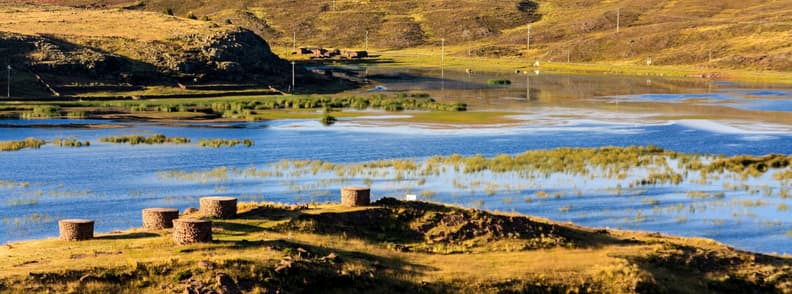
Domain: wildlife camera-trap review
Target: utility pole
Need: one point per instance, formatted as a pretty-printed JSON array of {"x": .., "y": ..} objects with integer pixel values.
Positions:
[
  {"x": 294, "y": 42},
  {"x": 528, "y": 40},
  {"x": 618, "y": 19},
  {"x": 366, "y": 41},
  {"x": 9, "y": 81},
  {"x": 710, "y": 56},
  {"x": 442, "y": 51},
  {"x": 442, "y": 67},
  {"x": 292, "y": 85},
  {"x": 569, "y": 56},
  {"x": 527, "y": 87}
]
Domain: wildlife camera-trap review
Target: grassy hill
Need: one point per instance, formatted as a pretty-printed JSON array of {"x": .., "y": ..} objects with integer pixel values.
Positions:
[
  {"x": 391, "y": 247},
  {"x": 750, "y": 34},
  {"x": 70, "y": 50}
]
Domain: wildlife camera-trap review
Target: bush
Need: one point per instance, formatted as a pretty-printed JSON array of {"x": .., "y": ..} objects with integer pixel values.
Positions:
[
  {"x": 327, "y": 119},
  {"x": 168, "y": 11},
  {"x": 498, "y": 82}
]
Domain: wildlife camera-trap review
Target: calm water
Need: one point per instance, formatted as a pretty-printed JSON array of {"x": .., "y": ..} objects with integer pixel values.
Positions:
[{"x": 112, "y": 183}]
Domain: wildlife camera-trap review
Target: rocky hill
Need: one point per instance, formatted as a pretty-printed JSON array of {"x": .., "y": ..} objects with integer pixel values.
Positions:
[{"x": 72, "y": 46}]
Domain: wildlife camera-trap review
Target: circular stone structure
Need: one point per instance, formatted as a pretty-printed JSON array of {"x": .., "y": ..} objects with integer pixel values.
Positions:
[
  {"x": 355, "y": 196},
  {"x": 76, "y": 229},
  {"x": 159, "y": 218},
  {"x": 190, "y": 230},
  {"x": 219, "y": 207}
]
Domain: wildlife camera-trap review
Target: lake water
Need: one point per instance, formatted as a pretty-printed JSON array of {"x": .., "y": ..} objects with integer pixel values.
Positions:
[{"x": 111, "y": 183}]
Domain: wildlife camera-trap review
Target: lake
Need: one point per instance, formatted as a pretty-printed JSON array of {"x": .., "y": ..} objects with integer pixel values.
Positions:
[{"x": 111, "y": 183}]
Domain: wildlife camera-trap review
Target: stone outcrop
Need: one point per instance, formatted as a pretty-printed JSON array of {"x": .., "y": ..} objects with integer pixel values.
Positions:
[{"x": 227, "y": 55}]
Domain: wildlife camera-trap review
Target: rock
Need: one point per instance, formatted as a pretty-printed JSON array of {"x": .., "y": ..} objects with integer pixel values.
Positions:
[
  {"x": 226, "y": 284},
  {"x": 190, "y": 211},
  {"x": 332, "y": 257},
  {"x": 89, "y": 278},
  {"x": 206, "y": 264},
  {"x": 302, "y": 253},
  {"x": 191, "y": 290}
]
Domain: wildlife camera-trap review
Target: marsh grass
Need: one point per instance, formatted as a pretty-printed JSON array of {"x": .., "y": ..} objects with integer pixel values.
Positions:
[
  {"x": 149, "y": 140},
  {"x": 218, "y": 143},
  {"x": 31, "y": 143},
  {"x": 70, "y": 142},
  {"x": 541, "y": 177}
]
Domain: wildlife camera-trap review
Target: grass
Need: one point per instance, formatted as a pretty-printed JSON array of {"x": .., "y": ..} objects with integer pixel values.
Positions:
[
  {"x": 294, "y": 248},
  {"x": 731, "y": 34},
  {"x": 235, "y": 108},
  {"x": 421, "y": 59},
  {"x": 149, "y": 140},
  {"x": 70, "y": 142},
  {"x": 217, "y": 143},
  {"x": 31, "y": 143}
]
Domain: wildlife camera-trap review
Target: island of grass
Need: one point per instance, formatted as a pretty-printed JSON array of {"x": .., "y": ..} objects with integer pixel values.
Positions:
[
  {"x": 391, "y": 246},
  {"x": 217, "y": 143},
  {"x": 228, "y": 108},
  {"x": 149, "y": 140},
  {"x": 32, "y": 143},
  {"x": 70, "y": 142}
]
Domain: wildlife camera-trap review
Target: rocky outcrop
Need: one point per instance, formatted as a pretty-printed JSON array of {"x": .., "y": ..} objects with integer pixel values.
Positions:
[
  {"x": 47, "y": 54},
  {"x": 228, "y": 55}
]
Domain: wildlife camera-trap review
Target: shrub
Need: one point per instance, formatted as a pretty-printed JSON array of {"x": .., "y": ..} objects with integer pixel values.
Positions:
[
  {"x": 327, "y": 119},
  {"x": 498, "y": 82}
]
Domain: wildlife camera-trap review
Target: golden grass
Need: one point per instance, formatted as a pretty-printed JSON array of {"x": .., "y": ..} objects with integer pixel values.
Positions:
[
  {"x": 88, "y": 23},
  {"x": 609, "y": 266},
  {"x": 430, "y": 58}
]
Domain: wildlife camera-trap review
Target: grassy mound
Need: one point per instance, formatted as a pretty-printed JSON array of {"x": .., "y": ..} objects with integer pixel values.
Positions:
[{"x": 393, "y": 246}]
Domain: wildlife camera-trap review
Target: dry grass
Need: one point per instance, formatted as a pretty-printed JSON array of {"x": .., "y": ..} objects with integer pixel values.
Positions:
[
  {"x": 251, "y": 246},
  {"x": 740, "y": 34},
  {"x": 74, "y": 23}
]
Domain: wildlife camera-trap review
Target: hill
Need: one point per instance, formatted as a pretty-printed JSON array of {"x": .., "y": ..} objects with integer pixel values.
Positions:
[
  {"x": 390, "y": 247},
  {"x": 750, "y": 34},
  {"x": 69, "y": 49}
]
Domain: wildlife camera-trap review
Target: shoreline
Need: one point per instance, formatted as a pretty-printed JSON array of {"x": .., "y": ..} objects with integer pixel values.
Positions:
[{"x": 407, "y": 59}]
